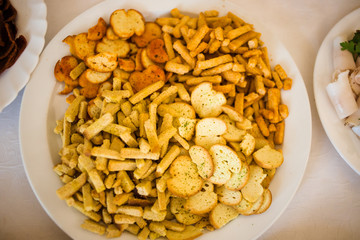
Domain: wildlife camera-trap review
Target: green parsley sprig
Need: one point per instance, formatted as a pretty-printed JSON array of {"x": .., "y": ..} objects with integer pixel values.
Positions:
[{"x": 353, "y": 45}]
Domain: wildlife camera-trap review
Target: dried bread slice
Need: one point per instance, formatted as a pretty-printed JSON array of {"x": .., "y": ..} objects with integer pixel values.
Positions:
[
  {"x": 125, "y": 24},
  {"x": 185, "y": 180},
  {"x": 206, "y": 101},
  {"x": 182, "y": 215},
  {"x": 96, "y": 77},
  {"x": 210, "y": 127},
  {"x": 208, "y": 141},
  {"x": 204, "y": 201},
  {"x": 221, "y": 215},
  {"x": 189, "y": 233},
  {"x": 254, "y": 207},
  {"x": 102, "y": 62},
  {"x": 243, "y": 207},
  {"x": 185, "y": 126},
  {"x": 83, "y": 47},
  {"x": 226, "y": 161},
  {"x": 152, "y": 31},
  {"x": 247, "y": 145},
  {"x": 267, "y": 157},
  {"x": 232, "y": 134},
  {"x": 202, "y": 158},
  {"x": 239, "y": 180},
  {"x": 228, "y": 197},
  {"x": 177, "y": 109},
  {"x": 266, "y": 202},
  {"x": 253, "y": 189},
  {"x": 118, "y": 46}
]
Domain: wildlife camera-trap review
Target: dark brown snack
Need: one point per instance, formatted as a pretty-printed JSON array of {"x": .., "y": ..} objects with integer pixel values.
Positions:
[{"x": 10, "y": 47}]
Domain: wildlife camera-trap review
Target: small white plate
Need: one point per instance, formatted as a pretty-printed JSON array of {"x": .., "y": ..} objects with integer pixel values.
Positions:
[
  {"x": 42, "y": 106},
  {"x": 346, "y": 143},
  {"x": 31, "y": 22}
]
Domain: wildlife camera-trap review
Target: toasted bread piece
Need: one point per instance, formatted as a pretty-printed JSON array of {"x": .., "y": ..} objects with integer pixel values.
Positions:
[
  {"x": 210, "y": 127},
  {"x": 140, "y": 80},
  {"x": 152, "y": 31},
  {"x": 182, "y": 215},
  {"x": 185, "y": 180},
  {"x": 125, "y": 24},
  {"x": 102, "y": 62},
  {"x": 206, "y": 101},
  {"x": 266, "y": 202},
  {"x": 156, "y": 51},
  {"x": 185, "y": 126},
  {"x": 63, "y": 68},
  {"x": 239, "y": 180},
  {"x": 118, "y": 46},
  {"x": 152, "y": 74},
  {"x": 98, "y": 31},
  {"x": 202, "y": 202},
  {"x": 232, "y": 113},
  {"x": 253, "y": 188},
  {"x": 83, "y": 47},
  {"x": 202, "y": 158},
  {"x": 177, "y": 109},
  {"x": 153, "y": 216},
  {"x": 228, "y": 197},
  {"x": 145, "y": 60},
  {"x": 247, "y": 145},
  {"x": 270, "y": 175},
  {"x": 189, "y": 233},
  {"x": 226, "y": 161},
  {"x": 221, "y": 215},
  {"x": 232, "y": 134},
  {"x": 268, "y": 157},
  {"x": 254, "y": 207},
  {"x": 96, "y": 77},
  {"x": 243, "y": 207},
  {"x": 208, "y": 141}
]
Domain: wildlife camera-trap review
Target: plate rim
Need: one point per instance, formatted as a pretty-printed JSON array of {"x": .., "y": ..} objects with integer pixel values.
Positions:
[
  {"x": 29, "y": 58},
  {"x": 305, "y": 154},
  {"x": 319, "y": 92}
]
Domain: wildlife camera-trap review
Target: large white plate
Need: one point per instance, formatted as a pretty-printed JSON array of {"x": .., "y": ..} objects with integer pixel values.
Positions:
[
  {"x": 31, "y": 22},
  {"x": 344, "y": 140},
  {"x": 42, "y": 106}
]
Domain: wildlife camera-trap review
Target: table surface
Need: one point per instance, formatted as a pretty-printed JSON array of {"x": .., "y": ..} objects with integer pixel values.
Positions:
[{"x": 327, "y": 203}]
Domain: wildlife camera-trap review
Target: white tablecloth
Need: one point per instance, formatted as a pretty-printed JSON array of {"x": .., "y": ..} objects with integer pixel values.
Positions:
[{"x": 327, "y": 204}]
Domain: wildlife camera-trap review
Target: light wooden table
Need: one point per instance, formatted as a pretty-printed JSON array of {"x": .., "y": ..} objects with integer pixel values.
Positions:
[{"x": 327, "y": 204}]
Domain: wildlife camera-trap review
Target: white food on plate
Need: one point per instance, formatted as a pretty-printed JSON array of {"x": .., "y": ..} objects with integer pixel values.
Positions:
[
  {"x": 341, "y": 95},
  {"x": 342, "y": 60},
  {"x": 356, "y": 130},
  {"x": 344, "y": 90}
]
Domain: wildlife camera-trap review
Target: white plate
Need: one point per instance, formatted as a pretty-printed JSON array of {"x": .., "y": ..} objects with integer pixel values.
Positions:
[
  {"x": 31, "y": 22},
  {"x": 42, "y": 106},
  {"x": 344, "y": 140}
]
